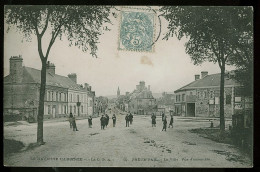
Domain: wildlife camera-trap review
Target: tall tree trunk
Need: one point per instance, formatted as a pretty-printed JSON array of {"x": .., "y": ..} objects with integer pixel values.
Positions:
[
  {"x": 221, "y": 105},
  {"x": 41, "y": 104}
]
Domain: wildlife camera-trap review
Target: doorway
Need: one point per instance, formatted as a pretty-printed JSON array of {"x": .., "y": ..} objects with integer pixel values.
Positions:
[
  {"x": 53, "y": 111},
  {"x": 191, "y": 109}
]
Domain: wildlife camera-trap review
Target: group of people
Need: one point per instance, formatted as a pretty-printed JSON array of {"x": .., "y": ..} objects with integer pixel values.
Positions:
[
  {"x": 129, "y": 119},
  {"x": 104, "y": 120},
  {"x": 164, "y": 120}
]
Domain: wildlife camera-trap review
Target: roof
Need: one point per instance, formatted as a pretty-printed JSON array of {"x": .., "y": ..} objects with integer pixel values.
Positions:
[
  {"x": 31, "y": 75},
  {"x": 208, "y": 81}
]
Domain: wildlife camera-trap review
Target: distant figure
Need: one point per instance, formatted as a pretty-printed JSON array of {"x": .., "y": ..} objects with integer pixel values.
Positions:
[
  {"x": 162, "y": 116},
  {"x": 74, "y": 124},
  {"x": 171, "y": 122},
  {"x": 103, "y": 122},
  {"x": 107, "y": 119},
  {"x": 114, "y": 120},
  {"x": 70, "y": 120},
  {"x": 164, "y": 123},
  {"x": 90, "y": 121},
  {"x": 131, "y": 118},
  {"x": 153, "y": 120},
  {"x": 127, "y": 120}
]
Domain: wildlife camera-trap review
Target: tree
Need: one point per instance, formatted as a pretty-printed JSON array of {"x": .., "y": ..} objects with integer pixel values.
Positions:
[
  {"x": 214, "y": 34},
  {"x": 81, "y": 25}
]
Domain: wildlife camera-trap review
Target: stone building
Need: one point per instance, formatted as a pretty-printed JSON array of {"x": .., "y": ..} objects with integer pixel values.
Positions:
[
  {"x": 141, "y": 100},
  {"x": 62, "y": 95},
  {"x": 201, "y": 97}
]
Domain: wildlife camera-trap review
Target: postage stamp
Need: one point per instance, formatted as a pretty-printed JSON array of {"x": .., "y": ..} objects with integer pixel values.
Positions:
[{"x": 137, "y": 31}]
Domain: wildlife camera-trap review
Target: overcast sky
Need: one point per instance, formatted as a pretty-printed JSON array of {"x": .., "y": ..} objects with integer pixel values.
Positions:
[{"x": 166, "y": 69}]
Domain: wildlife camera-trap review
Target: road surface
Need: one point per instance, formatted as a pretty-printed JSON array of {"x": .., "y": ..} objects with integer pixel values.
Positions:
[{"x": 139, "y": 145}]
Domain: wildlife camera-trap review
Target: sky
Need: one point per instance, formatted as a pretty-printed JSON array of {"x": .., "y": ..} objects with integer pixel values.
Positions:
[{"x": 165, "y": 70}]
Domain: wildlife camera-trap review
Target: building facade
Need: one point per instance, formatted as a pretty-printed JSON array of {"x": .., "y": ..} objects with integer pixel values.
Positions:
[
  {"x": 62, "y": 95},
  {"x": 141, "y": 100},
  {"x": 201, "y": 97}
]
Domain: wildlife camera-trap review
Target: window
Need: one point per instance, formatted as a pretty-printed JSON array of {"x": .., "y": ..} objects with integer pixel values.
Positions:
[
  {"x": 49, "y": 109},
  {"x": 75, "y": 109},
  {"x": 211, "y": 94},
  {"x": 237, "y": 99},
  {"x": 183, "y": 97},
  {"x": 228, "y": 99},
  {"x": 60, "y": 97},
  {"x": 57, "y": 96},
  {"x": 70, "y": 97},
  {"x": 78, "y": 98},
  {"x": 216, "y": 100},
  {"x": 70, "y": 109},
  {"x": 205, "y": 94},
  {"x": 51, "y": 96},
  {"x": 81, "y": 109}
]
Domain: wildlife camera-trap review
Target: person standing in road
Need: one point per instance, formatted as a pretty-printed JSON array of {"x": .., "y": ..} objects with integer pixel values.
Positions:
[
  {"x": 171, "y": 122},
  {"x": 131, "y": 118},
  {"x": 74, "y": 124},
  {"x": 90, "y": 121},
  {"x": 127, "y": 120},
  {"x": 114, "y": 120},
  {"x": 162, "y": 116},
  {"x": 153, "y": 120},
  {"x": 107, "y": 120},
  {"x": 164, "y": 123},
  {"x": 103, "y": 122},
  {"x": 70, "y": 119}
]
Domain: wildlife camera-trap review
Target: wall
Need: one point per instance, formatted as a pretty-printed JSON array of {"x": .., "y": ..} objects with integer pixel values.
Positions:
[{"x": 20, "y": 97}]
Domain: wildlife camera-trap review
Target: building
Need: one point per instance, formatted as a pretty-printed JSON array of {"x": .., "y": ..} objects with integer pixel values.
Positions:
[
  {"x": 62, "y": 95},
  {"x": 141, "y": 100},
  {"x": 201, "y": 97},
  {"x": 166, "y": 102},
  {"x": 101, "y": 104}
]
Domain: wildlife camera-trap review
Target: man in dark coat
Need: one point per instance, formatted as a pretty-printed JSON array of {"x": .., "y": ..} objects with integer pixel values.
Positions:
[
  {"x": 74, "y": 124},
  {"x": 127, "y": 120},
  {"x": 70, "y": 120},
  {"x": 131, "y": 118},
  {"x": 107, "y": 119},
  {"x": 90, "y": 121},
  {"x": 153, "y": 120},
  {"x": 164, "y": 123},
  {"x": 162, "y": 116},
  {"x": 114, "y": 120},
  {"x": 103, "y": 122}
]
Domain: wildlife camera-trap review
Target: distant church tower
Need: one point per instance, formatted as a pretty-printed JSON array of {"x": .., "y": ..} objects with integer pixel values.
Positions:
[{"x": 118, "y": 92}]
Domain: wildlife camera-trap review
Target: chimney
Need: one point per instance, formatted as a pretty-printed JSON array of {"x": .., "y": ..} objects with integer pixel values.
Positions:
[
  {"x": 86, "y": 86},
  {"x": 73, "y": 77},
  {"x": 89, "y": 88},
  {"x": 16, "y": 68},
  {"x": 203, "y": 74},
  {"x": 50, "y": 68},
  {"x": 197, "y": 77}
]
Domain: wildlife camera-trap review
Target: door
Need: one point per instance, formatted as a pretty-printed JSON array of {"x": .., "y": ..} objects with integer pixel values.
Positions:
[
  {"x": 53, "y": 111},
  {"x": 191, "y": 109},
  {"x": 211, "y": 110}
]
